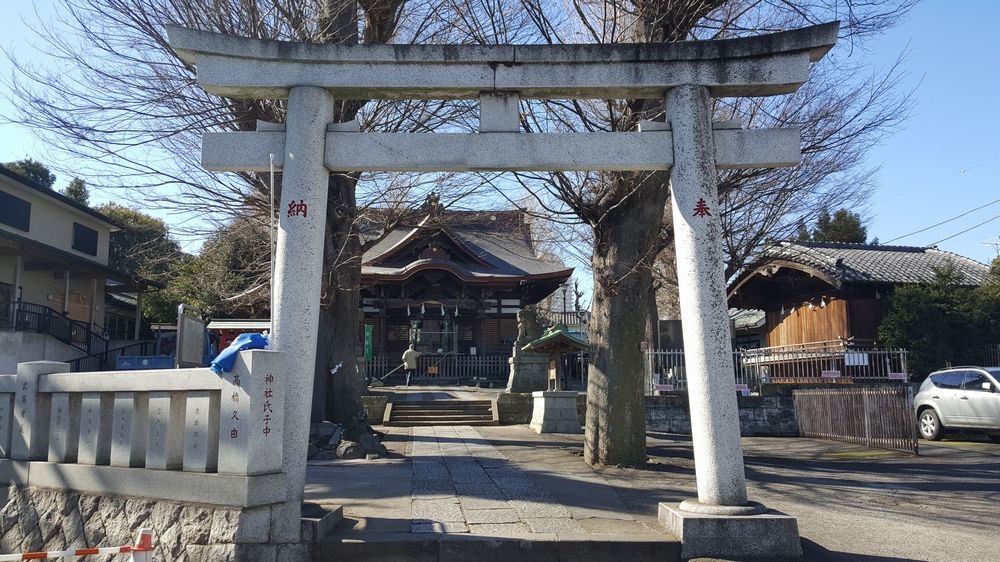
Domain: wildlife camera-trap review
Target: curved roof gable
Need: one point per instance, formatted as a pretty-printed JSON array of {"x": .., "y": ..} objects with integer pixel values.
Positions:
[
  {"x": 868, "y": 263},
  {"x": 489, "y": 246}
]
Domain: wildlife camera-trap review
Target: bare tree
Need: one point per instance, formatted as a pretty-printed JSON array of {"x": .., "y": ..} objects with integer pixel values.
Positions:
[
  {"x": 841, "y": 113},
  {"x": 622, "y": 213},
  {"x": 118, "y": 102}
]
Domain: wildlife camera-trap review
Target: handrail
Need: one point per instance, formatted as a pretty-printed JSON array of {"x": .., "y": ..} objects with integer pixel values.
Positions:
[
  {"x": 31, "y": 317},
  {"x": 105, "y": 360}
]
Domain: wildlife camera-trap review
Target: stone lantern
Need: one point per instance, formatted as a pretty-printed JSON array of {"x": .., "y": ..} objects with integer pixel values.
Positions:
[{"x": 555, "y": 409}]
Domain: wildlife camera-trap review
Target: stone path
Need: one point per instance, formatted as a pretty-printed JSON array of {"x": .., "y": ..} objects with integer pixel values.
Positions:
[
  {"x": 426, "y": 393},
  {"x": 463, "y": 484}
]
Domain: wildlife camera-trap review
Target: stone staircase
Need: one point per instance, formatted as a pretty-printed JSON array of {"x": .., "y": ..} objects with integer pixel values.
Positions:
[{"x": 411, "y": 413}]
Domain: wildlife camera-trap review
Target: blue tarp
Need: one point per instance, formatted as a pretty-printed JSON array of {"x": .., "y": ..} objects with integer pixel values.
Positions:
[{"x": 225, "y": 360}]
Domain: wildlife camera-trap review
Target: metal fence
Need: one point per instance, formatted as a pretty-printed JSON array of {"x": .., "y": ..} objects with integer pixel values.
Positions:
[
  {"x": 106, "y": 361},
  {"x": 446, "y": 368},
  {"x": 880, "y": 417},
  {"x": 987, "y": 355},
  {"x": 814, "y": 363},
  {"x": 30, "y": 317},
  {"x": 666, "y": 372}
]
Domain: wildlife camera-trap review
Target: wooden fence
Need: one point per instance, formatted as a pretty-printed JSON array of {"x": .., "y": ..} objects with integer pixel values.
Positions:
[{"x": 878, "y": 416}]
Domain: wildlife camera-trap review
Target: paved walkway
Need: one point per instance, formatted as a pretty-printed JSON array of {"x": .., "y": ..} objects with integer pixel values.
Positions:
[{"x": 464, "y": 483}]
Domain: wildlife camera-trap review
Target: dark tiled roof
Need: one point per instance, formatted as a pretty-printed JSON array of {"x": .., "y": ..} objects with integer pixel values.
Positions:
[
  {"x": 872, "y": 263},
  {"x": 499, "y": 239}
]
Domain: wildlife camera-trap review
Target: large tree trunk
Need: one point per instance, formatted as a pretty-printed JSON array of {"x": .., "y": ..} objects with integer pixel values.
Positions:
[
  {"x": 624, "y": 250},
  {"x": 339, "y": 385}
]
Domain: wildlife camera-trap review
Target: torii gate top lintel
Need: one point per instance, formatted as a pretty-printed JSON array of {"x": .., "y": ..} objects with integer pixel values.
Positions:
[{"x": 771, "y": 64}]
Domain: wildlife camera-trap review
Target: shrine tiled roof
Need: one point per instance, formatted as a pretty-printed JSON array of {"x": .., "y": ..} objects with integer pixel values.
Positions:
[
  {"x": 498, "y": 243},
  {"x": 871, "y": 263}
]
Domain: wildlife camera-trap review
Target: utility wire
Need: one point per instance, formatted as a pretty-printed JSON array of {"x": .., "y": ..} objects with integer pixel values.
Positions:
[
  {"x": 944, "y": 222},
  {"x": 964, "y": 231}
]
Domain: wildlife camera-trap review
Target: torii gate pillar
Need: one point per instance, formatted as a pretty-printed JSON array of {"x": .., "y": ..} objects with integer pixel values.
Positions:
[
  {"x": 721, "y": 519},
  {"x": 298, "y": 268}
]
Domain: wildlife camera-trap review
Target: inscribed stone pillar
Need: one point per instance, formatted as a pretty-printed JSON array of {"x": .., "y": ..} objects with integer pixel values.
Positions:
[
  {"x": 164, "y": 444},
  {"x": 298, "y": 275},
  {"x": 95, "y": 428},
  {"x": 715, "y": 427}
]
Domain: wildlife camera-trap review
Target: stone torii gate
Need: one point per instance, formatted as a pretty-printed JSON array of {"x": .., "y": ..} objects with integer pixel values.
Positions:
[{"x": 309, "y": 146}]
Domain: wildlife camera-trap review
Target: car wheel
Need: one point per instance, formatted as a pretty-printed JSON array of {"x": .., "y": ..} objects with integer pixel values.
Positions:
[{"x": 930, "y": 425}]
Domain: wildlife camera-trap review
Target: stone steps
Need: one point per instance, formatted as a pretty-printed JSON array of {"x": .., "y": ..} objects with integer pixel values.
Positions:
[{"x": 441, "y": 412}]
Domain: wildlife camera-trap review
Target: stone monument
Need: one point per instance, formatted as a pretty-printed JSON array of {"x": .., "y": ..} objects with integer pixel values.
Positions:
[{"x": 527, "y": 369}]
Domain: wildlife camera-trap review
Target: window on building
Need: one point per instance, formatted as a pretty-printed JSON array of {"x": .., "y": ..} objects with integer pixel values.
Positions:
[
  {"x": 14, "y": 211},
  {"x": 84, "y": 239}
]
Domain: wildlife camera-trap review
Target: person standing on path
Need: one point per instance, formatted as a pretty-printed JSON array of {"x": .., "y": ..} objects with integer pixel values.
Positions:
[{"x": 410, "y": 362}]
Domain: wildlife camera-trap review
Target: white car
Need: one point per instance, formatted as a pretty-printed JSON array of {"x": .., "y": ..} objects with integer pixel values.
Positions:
[{"x": 966, "y": 398}]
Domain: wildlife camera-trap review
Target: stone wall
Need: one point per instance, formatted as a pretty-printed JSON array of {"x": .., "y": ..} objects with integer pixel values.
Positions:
[
  {"x": 770, "y": 414},
  {"x": 516, "y": 407},
  {"x": 19, "y": 347},
  {"x": 374, "y": 407},
  {"x": 42, "y": 519}
]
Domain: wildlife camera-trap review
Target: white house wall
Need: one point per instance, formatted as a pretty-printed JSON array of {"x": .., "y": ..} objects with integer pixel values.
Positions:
[
  {"x": 42, "y": 287},
  {"x": 52, "y": 223}
]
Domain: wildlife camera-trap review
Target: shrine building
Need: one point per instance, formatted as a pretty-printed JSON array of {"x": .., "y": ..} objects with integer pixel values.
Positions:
[{"x": 452, "y": 282}]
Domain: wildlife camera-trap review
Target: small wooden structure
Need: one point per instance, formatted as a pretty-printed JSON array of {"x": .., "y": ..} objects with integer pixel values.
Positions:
[
  {"x": 555, "y": 342},
  {"x": 814, "y": 292}
]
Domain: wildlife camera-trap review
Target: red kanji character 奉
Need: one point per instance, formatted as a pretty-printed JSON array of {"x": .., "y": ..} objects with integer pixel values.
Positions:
[
  {"x": 701, "y": 209},
  {"x": 296, "y": 209}
]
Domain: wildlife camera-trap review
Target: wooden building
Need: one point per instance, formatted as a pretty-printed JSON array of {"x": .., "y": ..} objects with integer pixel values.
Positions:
[
  {"x": 820, "y": 292},
  {"x": 451, "y": 282}
]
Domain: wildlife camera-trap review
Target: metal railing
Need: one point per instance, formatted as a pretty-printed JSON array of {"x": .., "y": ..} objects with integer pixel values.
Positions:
[
  {"x": 987, "y": 355},
  {"x": 445, "y": 368},
  {"x": 880, "y": 417},
  {"x": 30, "y": 317},
  {"x": 106, "y": 361},
  {"x": 567, "y": 318},
  {"x": 666, "y": 372},
  {"x": 802, "y": 364}
]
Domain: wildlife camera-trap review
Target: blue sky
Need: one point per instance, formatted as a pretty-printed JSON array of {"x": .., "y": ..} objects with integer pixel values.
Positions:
[{"x": 938, "y": 166}]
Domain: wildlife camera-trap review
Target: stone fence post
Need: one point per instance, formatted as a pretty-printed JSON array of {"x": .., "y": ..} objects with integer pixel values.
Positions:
[
  {"x": 30, "y": 439},
  {"x": 251, "y": 416}
]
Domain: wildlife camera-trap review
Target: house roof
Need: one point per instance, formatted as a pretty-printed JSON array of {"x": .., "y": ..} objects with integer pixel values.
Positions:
[
  {"x": 839, "y": 263},
  {"x": 53, "y": 194},
  {"x": 115, "y": 281},
  {"x": 497, "y": 244}
]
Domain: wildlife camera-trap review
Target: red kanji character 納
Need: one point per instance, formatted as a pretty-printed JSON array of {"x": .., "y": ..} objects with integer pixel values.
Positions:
[{"x": 296, "y": 209}]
